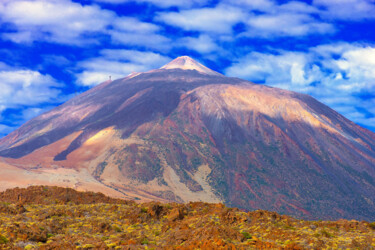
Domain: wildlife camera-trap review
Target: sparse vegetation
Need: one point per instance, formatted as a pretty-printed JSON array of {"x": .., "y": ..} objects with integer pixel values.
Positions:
[{"x": 53, "y": 223}]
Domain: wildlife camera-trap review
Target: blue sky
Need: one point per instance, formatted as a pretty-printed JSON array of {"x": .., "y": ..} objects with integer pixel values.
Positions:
[{"x": 52, "y": 50}]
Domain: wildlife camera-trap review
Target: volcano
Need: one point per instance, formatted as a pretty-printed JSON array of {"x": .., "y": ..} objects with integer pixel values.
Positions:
[{"x": 187, "y": 133}]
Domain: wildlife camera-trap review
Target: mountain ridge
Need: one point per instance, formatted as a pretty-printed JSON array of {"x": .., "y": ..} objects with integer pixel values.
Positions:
[{"x": 185, "y": 135}]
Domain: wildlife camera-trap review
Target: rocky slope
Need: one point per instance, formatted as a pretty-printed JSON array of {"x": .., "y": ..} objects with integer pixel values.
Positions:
[
  {"x": 186, "y": 133},
  {"x": 52, "y": 222}
]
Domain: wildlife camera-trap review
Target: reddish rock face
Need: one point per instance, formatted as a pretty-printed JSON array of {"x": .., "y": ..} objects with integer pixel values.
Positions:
[{"x": 187, "y": 133}]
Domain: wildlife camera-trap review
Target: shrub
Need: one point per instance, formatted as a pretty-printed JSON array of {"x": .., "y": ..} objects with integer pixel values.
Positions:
[
  {"x": 116, "y": 228},
  {"x": 3, "y": 239},
  {"x": 246, "y": 235},
  {"x": 325, "y": 233},
  {"x": 144, "y": 241}
]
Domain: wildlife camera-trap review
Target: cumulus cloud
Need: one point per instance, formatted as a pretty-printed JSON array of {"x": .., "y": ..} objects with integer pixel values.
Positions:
[
  {"x": 269, "y": 19},
  {"x": 117, "y": 64},
  {"x": 24, "y": 91},
  {"x": 140, "y": 57},
  {"x": 289, "y": 70},
  {"x": 131, "y": 24},
  {"x": 26, "y": 87},
  {"x": 219, "y": 19},
  {"x": 71, "y": 23},
  {"x": 346, "y": 9},
  {"x": 203, "y": 44},
  {"x": 286, "y": 24},
  {"x": 337, "y": 75},
  {"x": 59, "y": 21},
  {"x": 296, "y": 7},
  {"x": 264, "y": 5},
  {"x": 261, "y": 18},
  {"x": 162, "y": 4},
  {"x": 359, "y": 64},
  {"x": 99, "y": 70},
  {"x": 153, "y": 41},
  {"x": 290, "y": 19},
  {"x": 133, "y": 32}
]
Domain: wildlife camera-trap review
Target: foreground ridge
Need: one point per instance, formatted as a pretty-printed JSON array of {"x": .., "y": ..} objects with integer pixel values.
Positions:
[{"x": 69, "y": 219}]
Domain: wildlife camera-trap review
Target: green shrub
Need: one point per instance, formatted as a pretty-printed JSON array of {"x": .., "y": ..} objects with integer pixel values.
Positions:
[
  {"x": 325, "y": 233},
  {"x": 116, "y": 228},
  {"x": 246, "y": 235},
  {"x": 3, "y": 239},
  {"x": 144, "y": 241}
]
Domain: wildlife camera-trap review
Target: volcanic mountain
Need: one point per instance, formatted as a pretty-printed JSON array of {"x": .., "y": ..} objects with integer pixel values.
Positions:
[{"x": 187, "y": 133}]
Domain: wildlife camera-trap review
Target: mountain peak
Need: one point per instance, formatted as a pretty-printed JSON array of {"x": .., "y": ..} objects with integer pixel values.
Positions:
[{"x": 188, "y": 63}]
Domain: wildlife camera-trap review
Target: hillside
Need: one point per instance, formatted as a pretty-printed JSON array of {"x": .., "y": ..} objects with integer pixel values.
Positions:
[{"x": 54, "y": 222}]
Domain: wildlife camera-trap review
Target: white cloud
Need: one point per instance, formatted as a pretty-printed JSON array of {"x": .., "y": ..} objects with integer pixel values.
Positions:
[
  {"x": 219, "y": 19},
  {"x": 92, "y": 78},
  {"x": 59, "y": 21},
  {"x": 203, "y": 44},
  {"x": 285, "y": 24},
  {"x": 153, "y": 60},
  {"x": 268, "y": 19},
  {"x": 67, "y": 22},
  {"x": 296, "y": 7},
  {"x": 131, "y": 24},
  {"x": 153, "y": 41},
  {"x": 163, "y": 3},
  {"x": 359, "y": 64},
  {"x": 131, "y": 31},
  {"x": 263, "y": 5},
  {"x": 98, "y": 70},
  {"x": 334, "y": 74},
  {"x": 117, "y": 64},
  {"x": 262, "y": 18},
  {"x": 329, "y": 50},
  {"x": 347, "y": 9},
  {"x": 285, "y": 69},
  {"x": 26, "y": 87},
  {"x": 25, "y": 90}
]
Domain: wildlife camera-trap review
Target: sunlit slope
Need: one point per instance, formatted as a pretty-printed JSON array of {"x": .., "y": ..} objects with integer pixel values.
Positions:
[{"x": 188, "y": 135}]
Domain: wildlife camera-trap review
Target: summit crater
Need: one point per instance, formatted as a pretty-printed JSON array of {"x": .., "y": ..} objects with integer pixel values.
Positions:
[{"x": 187, "y": 63}]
